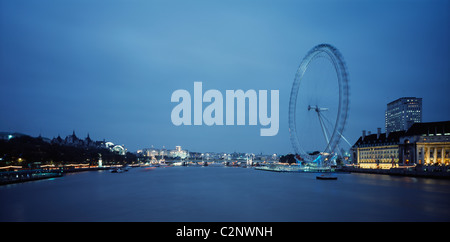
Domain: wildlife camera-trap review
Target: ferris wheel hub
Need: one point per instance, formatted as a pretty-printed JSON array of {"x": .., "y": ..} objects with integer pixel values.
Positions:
[{"x": 316, "y": 108}]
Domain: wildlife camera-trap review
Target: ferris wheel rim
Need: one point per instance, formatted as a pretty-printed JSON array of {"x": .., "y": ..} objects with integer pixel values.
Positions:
[{"x": 342, "y": 75}]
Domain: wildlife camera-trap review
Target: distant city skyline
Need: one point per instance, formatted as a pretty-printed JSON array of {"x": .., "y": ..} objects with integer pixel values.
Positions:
[{"x": 110, "y": 69}]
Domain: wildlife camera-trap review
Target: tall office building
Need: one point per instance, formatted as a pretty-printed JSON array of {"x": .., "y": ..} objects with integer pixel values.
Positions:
[{"x": 402, "y": 113}]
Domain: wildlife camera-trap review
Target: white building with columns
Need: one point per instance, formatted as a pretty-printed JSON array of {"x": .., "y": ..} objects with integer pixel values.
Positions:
[
  {"x": 422, "y": 144},
  {"x": 426, "y": 144}
]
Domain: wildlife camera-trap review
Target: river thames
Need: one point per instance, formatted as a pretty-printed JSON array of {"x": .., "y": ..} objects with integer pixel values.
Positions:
[{"x": 225, "y": 194}]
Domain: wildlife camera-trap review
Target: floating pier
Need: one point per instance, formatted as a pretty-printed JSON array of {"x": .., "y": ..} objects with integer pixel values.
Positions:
[
  {"x": 294, "y": 168},
  {"x": 10, "y": 177}
]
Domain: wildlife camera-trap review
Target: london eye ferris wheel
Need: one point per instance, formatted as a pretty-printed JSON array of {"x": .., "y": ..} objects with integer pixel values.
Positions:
[{"x": 319, "y": 104}]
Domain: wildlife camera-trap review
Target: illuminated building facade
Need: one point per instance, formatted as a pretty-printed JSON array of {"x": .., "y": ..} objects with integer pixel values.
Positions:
[
  {"x": 380, "y": 150},
  {"x": 426, "y": 144},
  {"x": 421, "y": 144},
  {"x": 178, "y": 152},
  {"x": 402, "y": 113}
]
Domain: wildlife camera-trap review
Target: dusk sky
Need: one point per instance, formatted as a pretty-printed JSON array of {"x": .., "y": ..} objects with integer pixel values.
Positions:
[{"x": 109, "y": 68}]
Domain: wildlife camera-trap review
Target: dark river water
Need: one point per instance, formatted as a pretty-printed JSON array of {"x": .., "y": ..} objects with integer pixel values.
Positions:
[{"x": 222, "y": 194}]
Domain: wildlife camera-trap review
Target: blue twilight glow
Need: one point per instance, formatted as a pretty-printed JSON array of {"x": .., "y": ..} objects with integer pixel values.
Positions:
[{"x": 108, "y": 68}]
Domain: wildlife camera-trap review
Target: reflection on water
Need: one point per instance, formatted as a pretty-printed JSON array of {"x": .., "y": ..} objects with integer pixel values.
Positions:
[
  {"x": 225, "y": 194},
  {"x": 424, "y": 185}
]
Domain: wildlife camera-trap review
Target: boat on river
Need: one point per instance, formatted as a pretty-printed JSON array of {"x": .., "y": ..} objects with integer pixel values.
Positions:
[
  {"x": 326, "y": 177},
  {"x": 117, "y": 170}
]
